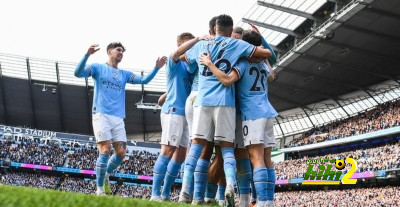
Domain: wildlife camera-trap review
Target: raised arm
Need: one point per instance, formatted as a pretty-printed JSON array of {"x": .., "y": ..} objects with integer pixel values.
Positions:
[
  {"x": 186, "y": 46},
  {"x": 147, "y": 78},
  {"x": 265, "y": 44},
  {"x": 79, "y": 70},
  {"x": 225, "y": 79},
  {"x": 262, "y": 53},
  {"x": 272, "y": 59},
  {"x": 271, "y": 76}
]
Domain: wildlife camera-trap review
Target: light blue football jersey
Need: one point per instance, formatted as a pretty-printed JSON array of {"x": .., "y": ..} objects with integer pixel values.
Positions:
[
  {"x": 109, "y": 85},
  {"x": 195, "y": 84},
  {"x": 194, "y": 72},
  {"x": 224, "y": 52},
  {"x": 252, "y": 90},
  {"x": 109, "y": 88},
  {"x": 178, "y": 87}
]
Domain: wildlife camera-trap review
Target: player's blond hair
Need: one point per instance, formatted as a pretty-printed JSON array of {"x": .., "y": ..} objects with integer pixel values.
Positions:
[{"x": 184, "y": 37}]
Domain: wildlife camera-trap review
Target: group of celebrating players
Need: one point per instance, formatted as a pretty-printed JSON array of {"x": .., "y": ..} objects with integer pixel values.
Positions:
[{"x": 217, "y": 92}]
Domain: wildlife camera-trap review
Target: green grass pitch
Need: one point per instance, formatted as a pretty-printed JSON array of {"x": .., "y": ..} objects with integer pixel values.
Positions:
[{"x": 11, "y": 196}]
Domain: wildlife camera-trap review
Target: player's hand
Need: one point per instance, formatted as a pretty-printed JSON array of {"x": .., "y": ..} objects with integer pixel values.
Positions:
[
  {"x": 206, "y": 37},
  {"x": 254, "y": 28},
  {"x": 161, "y": 62},
  {"x": 92, "y": 49},
  {"x": 162, "y": 98},
  {"x": 205, "y": 58}
]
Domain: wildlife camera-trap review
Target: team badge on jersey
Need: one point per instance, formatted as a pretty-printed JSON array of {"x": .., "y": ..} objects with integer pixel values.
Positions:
[{"x": 115, "y": 75}]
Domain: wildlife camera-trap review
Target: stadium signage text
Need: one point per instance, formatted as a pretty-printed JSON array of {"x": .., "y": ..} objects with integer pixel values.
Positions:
[
  {"x": 29, "y": 132},
  {"x": 327, "y": 176}
]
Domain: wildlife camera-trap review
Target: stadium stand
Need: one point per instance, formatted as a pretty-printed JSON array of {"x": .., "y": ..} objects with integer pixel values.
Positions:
[
  {"x": 139, "y": 162},
  {"x": 368, "y": 196},
  {"x": 378, "y": 196},
  {"x": 382, "y": 116},
  {"x": 369, "y": 159},
  {"x": 82, "y": 158},
  {"x": 30, "y": 179},
  {"x": 78, "y": 185},
  {"x": 36, "y": 153}
]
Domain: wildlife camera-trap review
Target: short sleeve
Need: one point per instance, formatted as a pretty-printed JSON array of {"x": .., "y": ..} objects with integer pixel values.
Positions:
[
  {"x": 192, "y": 68},
  {"x": 171, "y": 63},
  {"x": 192, "y": 54},
  {"x": 245, "y": 49},
  {"x": 241, "y": 67}
]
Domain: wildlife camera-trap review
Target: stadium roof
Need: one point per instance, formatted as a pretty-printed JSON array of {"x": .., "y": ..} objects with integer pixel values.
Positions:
[
  {"x": 335, "y": 59},
  {"x": 279, "y": 18},
  {"x": 328, "y": 49}
]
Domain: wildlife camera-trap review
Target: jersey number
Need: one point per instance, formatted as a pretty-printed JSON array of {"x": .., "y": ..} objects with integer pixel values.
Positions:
[
  {"x": 206, "y": 71},
  {"x": 245, "y": 130},
  {"x": 254, "y": 87}
]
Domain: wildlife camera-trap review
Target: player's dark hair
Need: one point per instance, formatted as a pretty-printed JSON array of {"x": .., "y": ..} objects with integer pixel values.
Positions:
[
  {"x": 115, "y": 45},
  {"x": 252, "y": 37},
  {"x": 224, "y": 23},
  {"x": 212, "y": 24},
  {"x": 184, "y": 37}
]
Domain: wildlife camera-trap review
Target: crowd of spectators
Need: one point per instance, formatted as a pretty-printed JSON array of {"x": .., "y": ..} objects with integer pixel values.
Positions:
[
  {"x": 371, "y": 159},
  {"x": 78, "y": 185},
  {"x": 83, "y": 158},
  {"x": 52, "y": 154},
  {"x": 140, "y": 163},
  {"x": 36, "y": 153},
  {"x": 382, "y": 117},
  {"x": 4, "y": 148},
  {"x": 359, "y": 197},
  {"x": 133, "y": 191},
  {"x": 30, "y": 179}
]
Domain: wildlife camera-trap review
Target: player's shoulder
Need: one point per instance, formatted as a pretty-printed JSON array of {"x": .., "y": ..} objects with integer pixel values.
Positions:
[
  {"x": 196, "y": 47},
  {"x": 170, "y": 61},
  {"x": 126, "y": 71},
  {"x": 181, "y": 65},
  {"x": 243, "y": 62},
  {"x": 239, "y": 41},
  {"x": 202, "y": 43},
  {"x": 262, "y": 65},
  {"x": 97, "y": 65},
  {"x": 97, "y": 68}
]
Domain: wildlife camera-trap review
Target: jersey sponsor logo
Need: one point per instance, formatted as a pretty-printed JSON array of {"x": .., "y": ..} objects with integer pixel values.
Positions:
[{"x": 111, "y": 85}]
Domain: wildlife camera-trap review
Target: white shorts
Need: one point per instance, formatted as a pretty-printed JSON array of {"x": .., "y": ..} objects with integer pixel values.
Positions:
[
  {"x": 239, "y": 141},
  {"x": 108, "y": 127},
  {"x": 259, "y": 131},
  {"x": 189, "y": 110},
  {"x": 214, "y": 120},
  {"x": 174, "y": 130}
]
